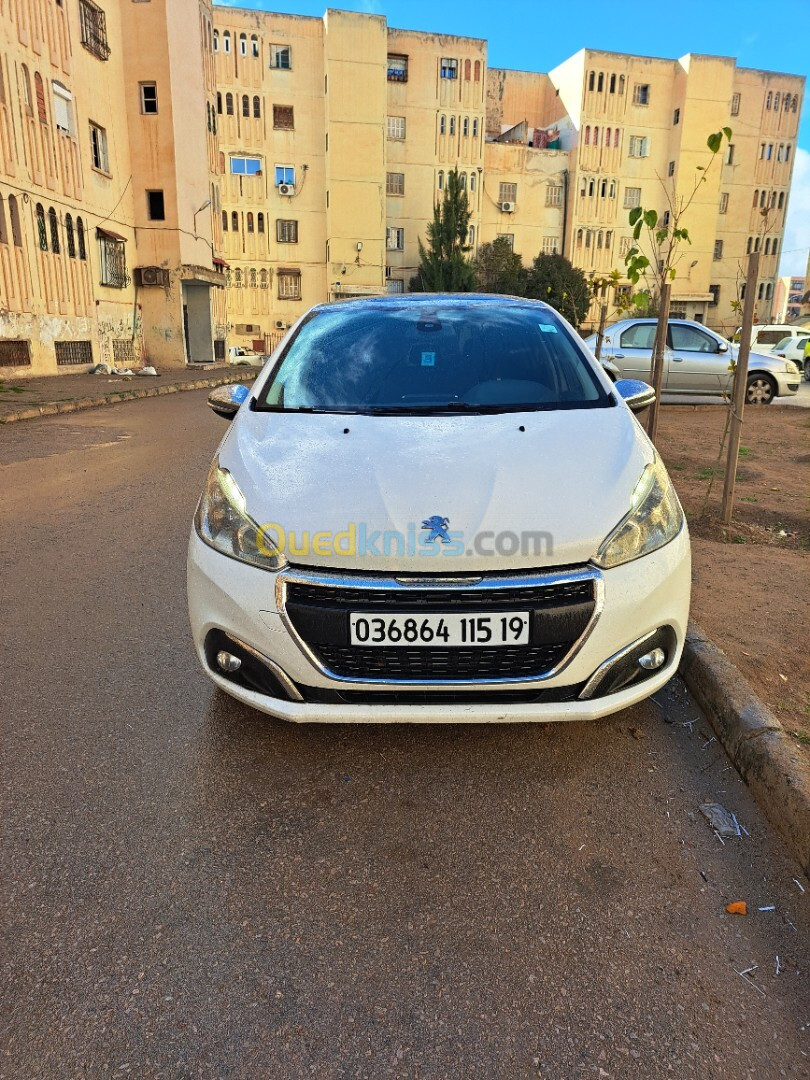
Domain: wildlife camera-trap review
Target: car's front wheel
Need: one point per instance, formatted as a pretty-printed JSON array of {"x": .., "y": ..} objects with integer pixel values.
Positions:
[
  {"x": 807, "y": 370},
  {"x": 761, "y": 390}
]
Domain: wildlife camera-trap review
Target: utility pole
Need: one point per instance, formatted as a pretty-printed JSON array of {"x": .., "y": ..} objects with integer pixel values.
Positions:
[
  {"x": 600, "y": 333},
  {"x": 658, "y": 361},
  {"x": 739, "y": 389}
]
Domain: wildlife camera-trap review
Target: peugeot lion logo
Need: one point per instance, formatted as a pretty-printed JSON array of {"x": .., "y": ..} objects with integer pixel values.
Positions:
[{"x": 437, "y": 529}]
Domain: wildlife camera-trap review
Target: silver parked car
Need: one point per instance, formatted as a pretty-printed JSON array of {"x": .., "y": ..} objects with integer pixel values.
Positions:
[{"x": 696, "y": 360}]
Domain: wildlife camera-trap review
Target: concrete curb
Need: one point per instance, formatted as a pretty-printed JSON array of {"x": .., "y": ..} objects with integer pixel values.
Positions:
[
  {"x": 761, "y": 751},
  {"x": 58, "y": 408}
]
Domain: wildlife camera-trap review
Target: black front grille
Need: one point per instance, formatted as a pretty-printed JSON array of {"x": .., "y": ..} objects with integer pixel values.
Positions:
[
  {"x": 412, "y": 597},
  {"x": 560, "y": 612},
  {"x": 472, "y": 664},
  {"x": 552, "y": 695}
]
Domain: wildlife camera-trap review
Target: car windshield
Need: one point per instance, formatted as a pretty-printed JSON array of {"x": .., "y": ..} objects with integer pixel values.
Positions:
[
  {"x": 432, "y": 356},
  {"x": 783, "y": 343}
]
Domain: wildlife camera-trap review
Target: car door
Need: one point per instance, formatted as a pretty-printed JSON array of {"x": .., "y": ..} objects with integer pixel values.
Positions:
[
  {"x": 633, "y": 351},
  {"x": 695, "y": 365}
]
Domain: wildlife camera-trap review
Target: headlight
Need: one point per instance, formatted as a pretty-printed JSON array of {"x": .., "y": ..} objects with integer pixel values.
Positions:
[
  {"x": 222, "y": 522},
  {"x": 791, "y": 368},
  {"x": 655, "y": 518}
]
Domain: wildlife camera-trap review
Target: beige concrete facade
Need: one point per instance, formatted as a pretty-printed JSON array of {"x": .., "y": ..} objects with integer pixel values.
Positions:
[
  {"x": 151, "y": 153},
  {"x": 100, "y": 105}
]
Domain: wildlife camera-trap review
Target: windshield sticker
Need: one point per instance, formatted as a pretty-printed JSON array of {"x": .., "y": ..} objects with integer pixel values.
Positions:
[
  {"x": 428, "y": 359},
  {"x": 548, "y": 328}
]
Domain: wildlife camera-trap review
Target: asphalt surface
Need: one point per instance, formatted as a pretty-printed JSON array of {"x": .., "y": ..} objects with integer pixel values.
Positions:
[{"x": 190, "y": 890}]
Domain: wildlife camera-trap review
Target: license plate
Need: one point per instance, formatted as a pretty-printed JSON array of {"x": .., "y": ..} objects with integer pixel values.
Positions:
[{"x": 439, "y": 631}]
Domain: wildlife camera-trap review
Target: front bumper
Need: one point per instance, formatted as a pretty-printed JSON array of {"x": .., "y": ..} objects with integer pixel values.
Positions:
[{"x": 637, "y": 600}]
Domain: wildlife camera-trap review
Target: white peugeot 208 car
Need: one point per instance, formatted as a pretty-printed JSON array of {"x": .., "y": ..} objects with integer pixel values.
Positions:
[{"x": 437, "y": 508}]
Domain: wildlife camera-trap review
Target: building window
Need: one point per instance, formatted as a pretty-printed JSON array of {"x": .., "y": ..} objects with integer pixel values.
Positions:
[
  {"x": 449, "y": 68},
  {"x": 624, "y": 245},
  {"x": 397, "y": 68},
  {"x": 98, "y": 148},
  {"x": 246, "y": 166},
  {"x": 53, "y": 223},
  {"x": 73, "y": 353},
  {"x": 285, "y": 174},
  {"x": 639, "y": 146},
  {"x": 600, "y": 83},
  {"x": 149, "y": 98},
  {"x": 281, "y": 57},
  {"x": 226, "y": 41},
  {"x": 283, "y": 118},
  {"x": 723, "y": 202},
  {"x": 735, "y": 104},
  {"x": 715, "y": 291},
  {"x": 452, "y": 125},
  {"x": 471, "y": 235},
  {"x": 781, "y": 199},
  {"x": 509, "y": 238},
  {"x": 234, "y": 221},
  {"x": 42, "y": 233},
  {"x": 442, "y": 124},
  {"x": 112, "y": 261},
  {"x": 550, "y": 245},
  {"x": 216, "y": 41},
  {"x": 465, "y": 126},
  {"x": 249, "y": 227},
  {"x": 477, "y": 72},
  {"x": 718, "y": 250},
  {"x": 441, "y": 179},
  {"x": 475, "y": 127},
  {"x": 156, "y": 206},
  {"x": 395, "y": 183},
  {"x": 39, "y": 91},
  {"x": 289, "y": 284},
  {"x": 395, "y": 285},
  {"x": 93, "y": 23},
  {"x": 641, "y": 94},
  {"x": 70, "y": 237},
  {"x": 730, "y": 154},
  {"x": 243, "y": 44},
  {"x": 462, "y": 181},
  {"x": 286, "y": 231},
  {"x": 768, "y": 100},
  {"x": 507, "y": 193},
  {"x": 472, "y": 181},
  {"x": 396, "y": 127},
  {"x": 257, "y": 107},
  {"x": 229, "y": 104},
  {"x": 224, "y": 220},
  {"x": 395, "y": 239},
  {"x": 245, "y": 105},
  {"x": 579, "y": 238},
  {"x": 263, "y": 279},
  {"x": 632, "y": 197},
  {"x": 671, "y": 169},
  {"x": 676, "y": 117},
  {"x": 79, "y": 237},
  {"x": 254, "y": 45},
  {"x": 588, "y": 135},
  {"x": 62, "y": 107},
  {"x": 260, "y": 222},
  {"x": 787, "y": 152},
  {"x": 591, "y": 80}
]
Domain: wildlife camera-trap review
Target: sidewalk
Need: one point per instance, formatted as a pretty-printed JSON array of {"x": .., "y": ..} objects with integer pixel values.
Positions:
[{"x": 28, "y": 399}]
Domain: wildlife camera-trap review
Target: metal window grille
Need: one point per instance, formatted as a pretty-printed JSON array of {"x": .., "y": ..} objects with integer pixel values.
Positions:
[
  {"x": 15, "y": 353},
  {"x": 123, "y": 352},
  {"x": 93, "y": 23},
  {"x": 283, "y": 117},
  {"x": 735, "y": 104},
  {"x": 286, "y": 231},
  {"x": 113, "y": 263},
  {"x": 42, "y": 232},
  {"x": 73, "y": 353}
]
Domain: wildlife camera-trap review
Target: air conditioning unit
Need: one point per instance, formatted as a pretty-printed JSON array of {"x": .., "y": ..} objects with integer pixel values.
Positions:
[
  {"x": 280, "y": 324},
  {"x": 508, "y": 207},
  {"x": 153, "y": 275},
  {"x": 286, "y": 189}
]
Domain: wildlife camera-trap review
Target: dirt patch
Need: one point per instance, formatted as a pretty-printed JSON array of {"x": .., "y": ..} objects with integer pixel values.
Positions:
[{"x": 751, "y": 580}]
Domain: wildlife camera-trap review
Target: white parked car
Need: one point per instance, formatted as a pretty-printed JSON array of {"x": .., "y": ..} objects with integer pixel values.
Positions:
[
  {"x": 696, "y": 360},
  {"x": 437, "y": 508},
  {"x": 766, "y": 336},
  {"x": 794, "y": 349}
]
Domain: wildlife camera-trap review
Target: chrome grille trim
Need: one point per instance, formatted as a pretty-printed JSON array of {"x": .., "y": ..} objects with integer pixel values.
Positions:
[{"x": 347, "y": 580}]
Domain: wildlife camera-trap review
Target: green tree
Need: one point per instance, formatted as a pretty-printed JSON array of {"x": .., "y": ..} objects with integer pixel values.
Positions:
[
  {"x": 554, "y": 279},
  {"x": 443, "y": 262},
  {"x": 499, "y": 270}
]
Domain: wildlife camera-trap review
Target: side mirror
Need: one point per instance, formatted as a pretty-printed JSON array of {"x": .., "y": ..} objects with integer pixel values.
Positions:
[
  {"x": 722, "y": 346},
  {"x": 225, "y": 400},
  {"x": 638, "y": 395}
]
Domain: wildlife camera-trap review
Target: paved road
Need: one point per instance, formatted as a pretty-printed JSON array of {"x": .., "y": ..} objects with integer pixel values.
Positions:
[{"x": 189, "y": 890}]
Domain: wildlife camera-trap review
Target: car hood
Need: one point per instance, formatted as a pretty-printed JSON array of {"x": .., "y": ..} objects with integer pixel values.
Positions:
[{"x": 564, "y": 477}]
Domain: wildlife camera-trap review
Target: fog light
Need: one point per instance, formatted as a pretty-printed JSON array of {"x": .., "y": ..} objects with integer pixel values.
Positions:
[
  {"x": 650, "y": 661},
  {"x": 229, "y": 663}
]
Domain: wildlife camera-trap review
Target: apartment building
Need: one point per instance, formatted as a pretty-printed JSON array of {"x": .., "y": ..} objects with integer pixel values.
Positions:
[
  {"x": 108, "y": 170},
  {"x": 230, "y": 167},
  {"x": 787, "y": 299}
]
